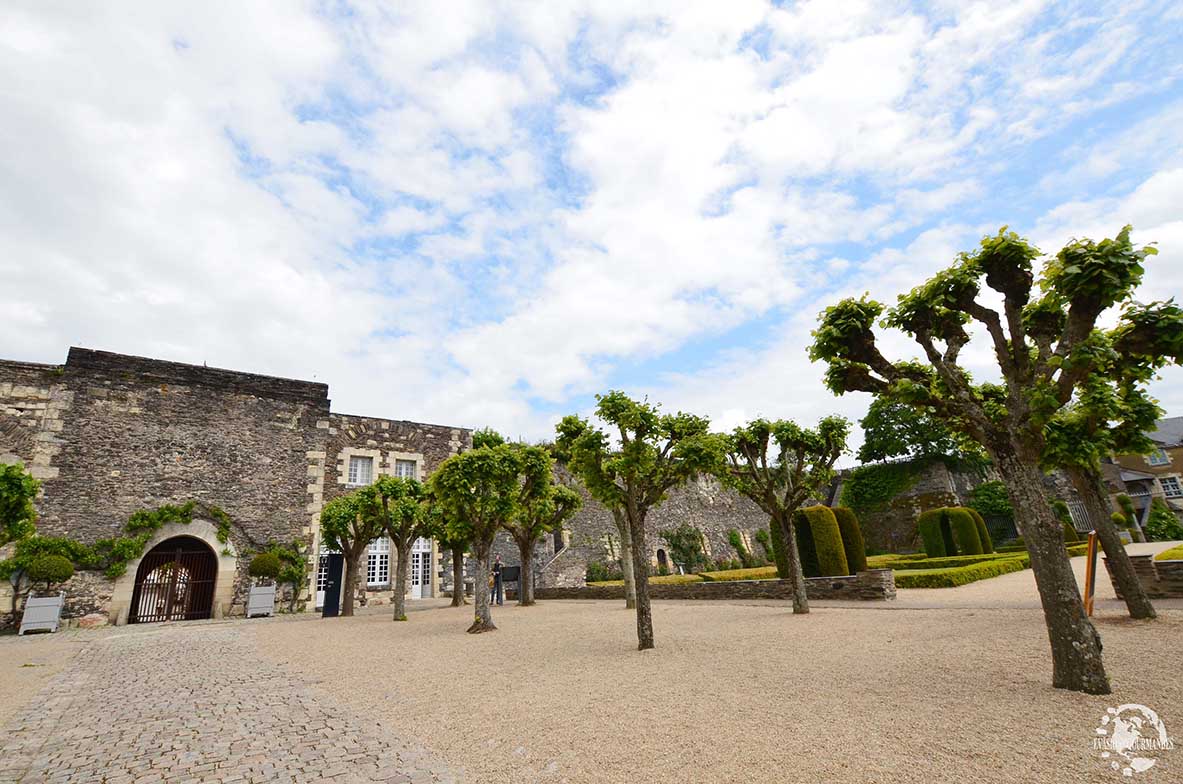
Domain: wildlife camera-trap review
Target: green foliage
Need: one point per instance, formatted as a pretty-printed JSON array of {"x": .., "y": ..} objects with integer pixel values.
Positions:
[
  {"x": 685, "y": 543},
  {"x": 1127, "y": 509},
  {"x": 852, "y": 539},
  {"x": 869, "y": 488},
  {"x": 1119, "y": 521},
  {"x": 545, "y": 512},
  {"x": 983, "y": 532},
  {"x": 49, "y": 570},
  {"x": 598, "y": 572},
  {"x": 819, "y": 540},
  {"x": 293, "y": 566},
  {"x": 1162, "y": 525},
  {"x": 265, "y": 566},
  {"x": 1173, "y": 554},
  {"x": 483, "y": 490},
  {"x": 18, "y": 516},
  {"x": 765, "y": 541},
  {"x": 780, "y": 550},
  {"x": 965, "y": 531},
  {"x": 741, "y": 549},
  {"x": 486, "y": 436},
  {"x": 931, "y": 534},
  {"x": 992, "y": 500},
  {"x": 960, "y": 575},
  {"x": 897, "y": 430}
]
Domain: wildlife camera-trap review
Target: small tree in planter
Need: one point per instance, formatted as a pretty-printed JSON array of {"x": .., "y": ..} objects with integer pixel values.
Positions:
[
  {"x": 293, "y": 571},
  {"x": 50, "y": 570},
  {"x": 264, "y": 567}
]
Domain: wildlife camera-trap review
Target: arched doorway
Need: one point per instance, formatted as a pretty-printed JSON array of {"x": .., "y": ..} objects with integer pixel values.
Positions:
[
  {"x": 175, "y": 582},
  {"x": 663, "y": 562}
]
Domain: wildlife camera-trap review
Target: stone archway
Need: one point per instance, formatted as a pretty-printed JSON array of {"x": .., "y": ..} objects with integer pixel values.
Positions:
[
  {"x": 205, "y": 532},
  {"x": 175, "y": 582}
]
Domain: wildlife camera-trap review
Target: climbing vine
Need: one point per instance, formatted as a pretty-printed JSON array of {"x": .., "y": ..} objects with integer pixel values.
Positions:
[{"x": 868, "y": 488}]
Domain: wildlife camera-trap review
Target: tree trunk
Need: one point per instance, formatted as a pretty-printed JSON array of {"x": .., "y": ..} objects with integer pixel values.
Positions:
[
  {"x": 641, "y": 585},
  {"x": 482, "y": 616},
  {"x": 403, "y": 553},
  {"x": 796, "y": 573},
  {"x": 1088, "y": 486},
  {"x": 1076, "y": 647},
  {"x": 526, "y": 574},
  {"x": 458, "y": 577},
  {"x": 350, "y": 586},
  {"x": 626, "y": 559}
]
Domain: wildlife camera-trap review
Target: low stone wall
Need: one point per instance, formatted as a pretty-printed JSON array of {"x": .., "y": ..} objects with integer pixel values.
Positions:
[
  {"x": 1160, "y": 579},
  {"x": 872, "y": 585}
]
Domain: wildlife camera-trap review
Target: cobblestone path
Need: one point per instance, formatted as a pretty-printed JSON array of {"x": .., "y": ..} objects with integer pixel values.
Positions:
[{"x": 195, "y": 704}]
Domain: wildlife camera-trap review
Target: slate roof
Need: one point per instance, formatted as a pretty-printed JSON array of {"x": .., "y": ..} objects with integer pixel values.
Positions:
[{"x": 1168, "y": 432}]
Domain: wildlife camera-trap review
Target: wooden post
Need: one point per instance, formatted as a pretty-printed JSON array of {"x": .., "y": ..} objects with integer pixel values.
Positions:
[{"x": 1090, "y": 573}]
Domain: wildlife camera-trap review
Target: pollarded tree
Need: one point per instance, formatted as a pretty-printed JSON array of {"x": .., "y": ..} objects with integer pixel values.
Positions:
[
  {"x": 1044, "y": 349},
  {"x": 779, "y": 465},
  {"x": 402, "y": 502},
  {"x": 533, "y": 520},
  {"x": 456, "y": 544},
  {"x": 654, "y": 454},
  {"x": 18, "y": 516},
  {"x": 1105, "y": 418},
  {"x": 348, "y": 523},
  {"x": 479, "y": 492}
]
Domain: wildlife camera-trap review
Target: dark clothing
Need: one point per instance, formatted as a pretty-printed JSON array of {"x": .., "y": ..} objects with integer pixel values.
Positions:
[{"x": 498, "y": 591}]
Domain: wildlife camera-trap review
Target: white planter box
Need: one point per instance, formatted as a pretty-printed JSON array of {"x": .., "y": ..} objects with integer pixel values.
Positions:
[
  {"x": 42, "y": 613},
  {"x": 261, "y": 601}
]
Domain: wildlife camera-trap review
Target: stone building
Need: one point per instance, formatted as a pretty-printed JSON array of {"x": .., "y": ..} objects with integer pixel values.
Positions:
[
  {"x": 109, "y": 434},
  {"x": 1158, "y": 474}
]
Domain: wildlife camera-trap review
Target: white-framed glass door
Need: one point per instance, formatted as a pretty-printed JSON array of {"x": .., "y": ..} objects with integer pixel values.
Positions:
[
  {"x": 421, "y": 568},
  {"x": 322, "y": 576}
]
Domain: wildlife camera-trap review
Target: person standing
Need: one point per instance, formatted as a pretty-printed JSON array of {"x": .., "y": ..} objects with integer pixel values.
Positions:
[{"x": 498, "y": 592}]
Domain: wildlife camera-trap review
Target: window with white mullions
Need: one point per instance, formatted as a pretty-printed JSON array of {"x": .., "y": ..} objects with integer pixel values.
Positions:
[
  {"x": 361, "y": 470},
  {"x": 378, "y": 562},
  {"x": 1171, "y": 487},
  {"x": 405, "y": 469}
]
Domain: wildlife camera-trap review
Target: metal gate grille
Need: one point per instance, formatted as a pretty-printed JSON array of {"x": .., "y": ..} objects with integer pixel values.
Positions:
[{"x": 175, "y": 582}]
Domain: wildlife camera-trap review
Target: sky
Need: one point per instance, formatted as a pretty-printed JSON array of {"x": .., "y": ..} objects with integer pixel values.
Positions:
[{"x": 483, "y": 214}]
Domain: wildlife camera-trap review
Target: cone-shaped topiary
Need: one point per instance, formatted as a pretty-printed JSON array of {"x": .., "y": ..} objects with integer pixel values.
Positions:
[
  {"x": 983, "y": 533},
  {"x": 819, "y": 541},
  {"x": 852, "y": 539}
]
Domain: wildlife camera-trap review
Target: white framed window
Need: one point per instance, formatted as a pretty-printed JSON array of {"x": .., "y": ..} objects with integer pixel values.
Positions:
[
  {"x": 1158, "y": 458},
  {"x": 361, "y": 470},
  {"x": 1171, "y": 487},
  {"x": 378, "y": 562},
  {"x": 405, "y": 469}
]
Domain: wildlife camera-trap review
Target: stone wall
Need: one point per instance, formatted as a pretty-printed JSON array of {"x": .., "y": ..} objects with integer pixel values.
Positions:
[
  {"x": 33, "y": 402},
  {"x": 1160, "y": 579},
  {"x": 872, "y": 585}
]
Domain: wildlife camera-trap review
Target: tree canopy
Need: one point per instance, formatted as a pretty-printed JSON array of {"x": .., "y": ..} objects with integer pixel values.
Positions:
[
  {"x": 897, "y": 430},
  {"x": 18, "y": 516}
]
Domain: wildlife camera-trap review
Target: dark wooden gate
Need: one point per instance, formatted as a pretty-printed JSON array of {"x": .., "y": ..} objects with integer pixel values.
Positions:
[{"x": 175, "y": 582}]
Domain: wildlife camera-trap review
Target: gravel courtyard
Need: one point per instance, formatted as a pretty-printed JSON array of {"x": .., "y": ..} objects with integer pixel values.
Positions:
[{"x": 917, "y": 690}]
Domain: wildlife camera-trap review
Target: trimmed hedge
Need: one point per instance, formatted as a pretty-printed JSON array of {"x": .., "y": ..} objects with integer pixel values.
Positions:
[
  {"x": 758, "y": 573},
  {"x": 852, "y": 539},
  {"x": 819, "y": 541},
  {"x": 983, "y": 533},
  {"x": 950, "y": 561},
  {"x": 661, "y": 579},
  {"x": 948, "y": 531},
  {"x": 780, "y": 553},
  {"x": 50, "y": 570},
  {"x": 960, "y": 575},
  {"x": 1174, "y": 554}
]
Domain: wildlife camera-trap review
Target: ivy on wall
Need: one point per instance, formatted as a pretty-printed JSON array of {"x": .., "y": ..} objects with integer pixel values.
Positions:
[
  {"x": 112, "y": 555},
  {"x": 869, "y": 488}
]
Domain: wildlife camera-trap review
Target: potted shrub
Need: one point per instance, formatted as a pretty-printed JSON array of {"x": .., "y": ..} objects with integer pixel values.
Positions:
[
  {"x": 45, "y": 612},
  {"x": 264, "y": 567}
]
